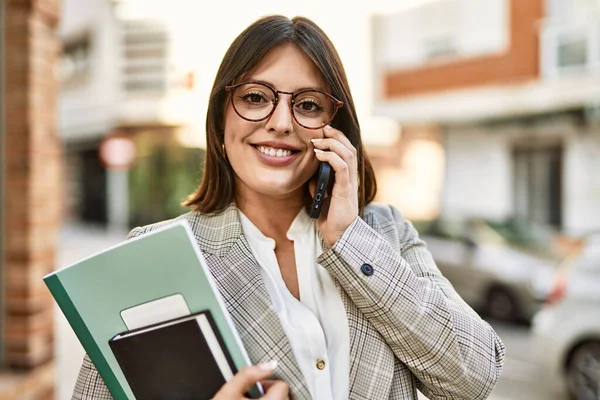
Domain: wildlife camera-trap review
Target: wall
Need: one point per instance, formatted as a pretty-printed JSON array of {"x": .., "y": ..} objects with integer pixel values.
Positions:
[
  {"x": 518, "y": 63},
  {"x": 32, "y": 196},
  {"x": 478, "y": 176},
  {"x": 582, "y": 184}
]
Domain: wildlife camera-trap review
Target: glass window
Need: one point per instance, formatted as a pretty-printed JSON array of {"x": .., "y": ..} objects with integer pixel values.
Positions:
[
  {"x": 572, "y": 53},
  {"x": 76, "y": 58}
]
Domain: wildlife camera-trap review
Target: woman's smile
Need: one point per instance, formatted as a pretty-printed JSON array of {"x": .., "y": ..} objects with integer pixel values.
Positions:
[{"x": 276, "y": 154}]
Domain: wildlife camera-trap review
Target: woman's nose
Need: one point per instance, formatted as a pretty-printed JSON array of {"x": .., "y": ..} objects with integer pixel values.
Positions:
[{"x": 281, "y": 120}]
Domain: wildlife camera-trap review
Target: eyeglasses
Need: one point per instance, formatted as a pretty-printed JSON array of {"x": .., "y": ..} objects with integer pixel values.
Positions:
[{"x": 256, "y": 101}]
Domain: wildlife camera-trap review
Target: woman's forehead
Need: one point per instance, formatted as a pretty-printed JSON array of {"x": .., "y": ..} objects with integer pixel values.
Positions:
[{"x": 287, "y": 68}]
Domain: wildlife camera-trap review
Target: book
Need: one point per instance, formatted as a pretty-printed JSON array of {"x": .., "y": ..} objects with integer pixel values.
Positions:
[
  {"x": 157, "y": 277},
  {"x": 186, "y": 355}
]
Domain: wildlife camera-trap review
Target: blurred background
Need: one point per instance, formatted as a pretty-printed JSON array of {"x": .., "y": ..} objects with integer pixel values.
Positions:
[{"x": 482, "y": 119}]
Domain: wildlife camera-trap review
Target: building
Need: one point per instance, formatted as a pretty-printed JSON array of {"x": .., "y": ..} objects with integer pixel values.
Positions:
[
  {"x": 513, "y": 90},
  {"x": 30, "y": 169},
  {"x": 121, "y": 75}
]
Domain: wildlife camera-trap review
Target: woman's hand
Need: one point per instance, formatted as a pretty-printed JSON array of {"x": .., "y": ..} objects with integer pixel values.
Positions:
[
  {"x": 342, "y": 208},
  {"x": 237, "y": 387}
]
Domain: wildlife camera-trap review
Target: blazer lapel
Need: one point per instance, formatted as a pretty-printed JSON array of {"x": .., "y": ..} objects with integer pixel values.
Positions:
[{"x": 232, "y": 264}]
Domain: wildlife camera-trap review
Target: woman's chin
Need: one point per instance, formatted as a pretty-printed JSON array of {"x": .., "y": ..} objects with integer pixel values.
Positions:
[{"x": 278, "y": 189}]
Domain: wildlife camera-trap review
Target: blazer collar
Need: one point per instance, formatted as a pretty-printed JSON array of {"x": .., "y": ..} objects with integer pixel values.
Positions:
[{"x": 216, "y": 233}]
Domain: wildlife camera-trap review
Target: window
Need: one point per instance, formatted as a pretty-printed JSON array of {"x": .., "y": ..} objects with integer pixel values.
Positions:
[
  {"x": 572, "y": 53},
  {"x": 538, "y": 185},
  {"x": 76, "y": 59}
]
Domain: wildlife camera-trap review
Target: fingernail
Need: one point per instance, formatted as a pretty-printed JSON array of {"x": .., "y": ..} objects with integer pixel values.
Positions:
[
  {"x": 268, "y": 366},
  {"x": 318, "y": 151},
  {"x": 328, "y": 127},
  {"x": 315, "y": 140}
]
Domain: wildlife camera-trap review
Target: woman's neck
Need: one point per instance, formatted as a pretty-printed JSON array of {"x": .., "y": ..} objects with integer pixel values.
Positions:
[{"x": 271, "y": 215}]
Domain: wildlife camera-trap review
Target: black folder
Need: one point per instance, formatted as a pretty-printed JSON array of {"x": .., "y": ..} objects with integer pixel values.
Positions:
[{"x": 181, "y": 359}]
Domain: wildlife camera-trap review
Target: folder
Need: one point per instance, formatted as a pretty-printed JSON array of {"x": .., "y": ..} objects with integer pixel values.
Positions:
[
  {"x": 157, "y": 277},
  {"x": 185, "y": 356}
]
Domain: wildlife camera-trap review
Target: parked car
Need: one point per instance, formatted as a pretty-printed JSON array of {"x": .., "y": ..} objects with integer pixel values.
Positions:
[
  {"x": 499, "y": 276},
  {"x": 567, "y": 330}
]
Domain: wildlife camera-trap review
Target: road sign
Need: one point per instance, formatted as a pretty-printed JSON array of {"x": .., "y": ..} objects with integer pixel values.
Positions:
[{"x": 117, "y": 151}]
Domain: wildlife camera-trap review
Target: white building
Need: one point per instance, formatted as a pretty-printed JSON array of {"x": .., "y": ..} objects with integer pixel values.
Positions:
[{"x": 513, "y": 88}]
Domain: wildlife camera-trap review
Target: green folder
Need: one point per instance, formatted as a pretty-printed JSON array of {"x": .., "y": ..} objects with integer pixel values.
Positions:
[{"x": 93, "y": 292}]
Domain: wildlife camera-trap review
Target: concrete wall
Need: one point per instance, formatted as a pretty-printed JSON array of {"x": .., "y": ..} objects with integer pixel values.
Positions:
[{"x": 478, "y": 174}]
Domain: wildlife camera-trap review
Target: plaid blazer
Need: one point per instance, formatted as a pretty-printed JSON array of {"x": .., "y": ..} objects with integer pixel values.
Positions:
[{"x": 409, "y": 329}]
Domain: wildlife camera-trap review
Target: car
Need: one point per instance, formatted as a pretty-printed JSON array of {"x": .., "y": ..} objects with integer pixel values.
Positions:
[
  {"x": 498, "y": 276},
  {"x": 567, "y": 329}
]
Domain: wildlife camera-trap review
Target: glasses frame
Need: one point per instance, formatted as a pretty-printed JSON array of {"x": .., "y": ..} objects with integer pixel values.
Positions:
[{"x": 337, "y": 104}]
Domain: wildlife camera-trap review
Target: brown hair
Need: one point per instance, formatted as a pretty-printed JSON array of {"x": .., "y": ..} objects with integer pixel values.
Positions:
[{"x": 216, "y": 190}]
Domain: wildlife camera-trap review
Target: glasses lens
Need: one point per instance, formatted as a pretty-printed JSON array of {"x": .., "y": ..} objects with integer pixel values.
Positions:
[
  {"x": 253, "y": 101},
  {"x": 313, "y": 109}
]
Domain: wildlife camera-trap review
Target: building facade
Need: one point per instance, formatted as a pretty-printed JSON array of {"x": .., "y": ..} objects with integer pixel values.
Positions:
[
  {"x": 514, "y": 90},
  {"x": 30, "y": 171},
  {"x": 120, "y": 75}
]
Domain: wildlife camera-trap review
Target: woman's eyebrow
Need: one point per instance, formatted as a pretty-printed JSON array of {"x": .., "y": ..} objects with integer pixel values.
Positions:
[{"x": 250, "y": 79}]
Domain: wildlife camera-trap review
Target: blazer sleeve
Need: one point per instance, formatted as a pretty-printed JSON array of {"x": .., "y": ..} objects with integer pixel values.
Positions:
[
  {"x": 89, "y": 385},
  {"x": 447, "y": 346}
]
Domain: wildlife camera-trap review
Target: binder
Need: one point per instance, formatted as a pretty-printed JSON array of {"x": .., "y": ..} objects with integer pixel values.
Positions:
[{"x": 156, "y": 277}]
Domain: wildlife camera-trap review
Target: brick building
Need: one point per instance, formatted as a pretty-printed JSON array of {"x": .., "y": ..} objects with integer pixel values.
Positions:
[{"x": 30, "y": 177}]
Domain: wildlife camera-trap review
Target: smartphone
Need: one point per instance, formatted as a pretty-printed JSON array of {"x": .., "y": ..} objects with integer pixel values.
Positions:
[{"x": 324, "y": 185}]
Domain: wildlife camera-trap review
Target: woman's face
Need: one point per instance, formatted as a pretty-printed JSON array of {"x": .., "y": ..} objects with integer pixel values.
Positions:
[{"x": 274, "y": 157}]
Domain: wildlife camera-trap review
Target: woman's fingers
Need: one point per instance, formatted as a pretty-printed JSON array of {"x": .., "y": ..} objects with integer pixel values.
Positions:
[
  {"x": 277, "y": 390},
  {"x": 244, "y": 380},
  {"x": 334, "y": 145},
  {"x": 330, "y": 132},
  {"x": 342, "y": 171}
]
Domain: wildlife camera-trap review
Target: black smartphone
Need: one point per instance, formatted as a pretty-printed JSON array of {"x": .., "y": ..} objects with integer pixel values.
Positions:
[{"x": 324, "y": 185}]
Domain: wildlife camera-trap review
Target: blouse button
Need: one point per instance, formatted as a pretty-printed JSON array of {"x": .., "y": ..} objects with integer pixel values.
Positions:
[{"x": 320, "y": 364}]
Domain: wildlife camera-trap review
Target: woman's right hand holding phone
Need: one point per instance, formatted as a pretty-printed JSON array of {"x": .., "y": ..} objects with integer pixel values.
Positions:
[{"x": 239, "y": 385}]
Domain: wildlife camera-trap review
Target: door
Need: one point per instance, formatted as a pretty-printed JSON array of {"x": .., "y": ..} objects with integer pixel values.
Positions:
[{"x": 538, "y": 184}]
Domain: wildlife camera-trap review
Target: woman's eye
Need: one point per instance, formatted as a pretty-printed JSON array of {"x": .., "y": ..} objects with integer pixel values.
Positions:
[
  {"x": 254, "y": 98},
  {"x": 309, "y": 105}
]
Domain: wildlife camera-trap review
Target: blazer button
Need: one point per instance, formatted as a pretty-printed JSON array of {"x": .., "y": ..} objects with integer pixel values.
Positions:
[
  {"x": 320, "y": 364},
  {"x": 367, "y": 269}
]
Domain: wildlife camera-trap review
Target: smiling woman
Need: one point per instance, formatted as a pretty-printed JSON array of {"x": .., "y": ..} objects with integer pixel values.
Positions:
[{"x": 350, "y": 305}]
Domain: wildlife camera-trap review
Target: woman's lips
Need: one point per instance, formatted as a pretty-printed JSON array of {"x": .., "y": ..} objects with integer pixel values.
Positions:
[{"x": 275, "y": 161}]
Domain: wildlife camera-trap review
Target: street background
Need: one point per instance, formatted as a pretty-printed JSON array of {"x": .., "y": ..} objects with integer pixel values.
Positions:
[{"x": 481, "y": 119}]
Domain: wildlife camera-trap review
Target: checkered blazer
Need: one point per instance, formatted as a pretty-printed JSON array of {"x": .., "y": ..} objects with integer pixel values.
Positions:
[{"x": 409, "y": 329}]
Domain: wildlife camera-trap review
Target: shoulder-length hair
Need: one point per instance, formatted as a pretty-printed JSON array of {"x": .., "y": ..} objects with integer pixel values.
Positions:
[{"x": 216, "y": 191}]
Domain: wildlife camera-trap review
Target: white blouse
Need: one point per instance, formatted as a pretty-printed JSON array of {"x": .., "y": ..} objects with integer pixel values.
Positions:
[{"x": 316, "y": 326}]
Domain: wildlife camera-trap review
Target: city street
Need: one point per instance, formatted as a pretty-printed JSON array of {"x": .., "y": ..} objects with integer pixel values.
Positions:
[{"x": 521, "y": 380}]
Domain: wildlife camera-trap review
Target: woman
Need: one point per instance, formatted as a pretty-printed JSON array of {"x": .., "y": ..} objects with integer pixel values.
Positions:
[{"x": 351, "y": 305}]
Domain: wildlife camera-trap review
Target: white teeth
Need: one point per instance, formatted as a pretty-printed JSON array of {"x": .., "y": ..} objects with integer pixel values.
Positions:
[{"x": 270, "y": 151}]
